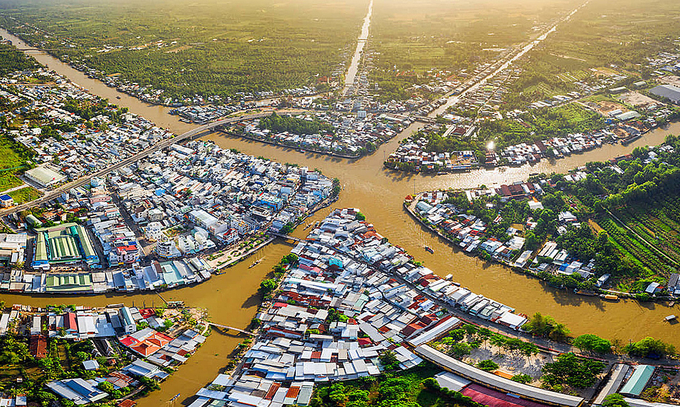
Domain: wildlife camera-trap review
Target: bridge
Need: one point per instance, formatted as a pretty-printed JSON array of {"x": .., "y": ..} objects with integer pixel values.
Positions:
[
  {"x": 287, "y": 237},
  {"x": 231, "y": 328},
  {"x": 191, "y": 134}
]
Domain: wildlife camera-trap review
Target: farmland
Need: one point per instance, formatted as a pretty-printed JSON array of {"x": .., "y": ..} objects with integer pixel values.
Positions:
[
  {"x": 187, "y": 48},
  {"x": 417, "y": 40},
  {"x": 647, "y": 232},
  {"x": 604, "y": 33}
]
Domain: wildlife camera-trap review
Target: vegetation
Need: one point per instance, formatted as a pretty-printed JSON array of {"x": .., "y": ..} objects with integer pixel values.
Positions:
[
  {"x": 572, "y": 371},
  {"x": 546, "y": 326},
  {"x": 593, "y": 343},
  {"x": 539, "y": 124},
  {"x": 521, "y": 378},
  {"x": 419, "y": 42},
  {"x": 389, "y": 360},
  {"x": 21, "y": 373},
  {"x": 487, "y": 365},
  {"x": 649, "y": 348},
  {"x": 409, "y": 388},
  {"x": 291, "y": 124},
  {"x": 460, "y": 342},
  {"x": 267, "y": 287},
  {"x": 12, "y": 60},
  {"x": 601, "y": 34},
  {"x": 189, "y": 48},
  {"x": 25, "y": 195},
  {"x": 614, "y": 400}
]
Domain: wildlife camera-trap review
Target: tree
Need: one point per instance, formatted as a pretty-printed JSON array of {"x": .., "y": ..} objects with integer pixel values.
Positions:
[
  {"x": 106, "y": 386},
  {"x": 614, "y": 400},
  {"x": 360, "y": 216},
  {"x": 487, "y": 365},
  {"x": 649, "y": 348},
  {"x": 389, "y": 360},
  {"x": 267, "y": 286},
  {"x": 521, "y": 378},
  {"x": 531, "y": 241},
  {"x": 593, "y": 343},
  {"x": 546, "y": 326},
  {"x": 459, "y": 350},
  {"x": 288, "y": 228},
  {"x": 571, "y": 370}
]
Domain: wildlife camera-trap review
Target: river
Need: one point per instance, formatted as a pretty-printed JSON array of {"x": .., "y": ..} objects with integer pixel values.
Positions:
[
  {"x": 361, "y": 43},
  {"x": 231, "y": 297}
]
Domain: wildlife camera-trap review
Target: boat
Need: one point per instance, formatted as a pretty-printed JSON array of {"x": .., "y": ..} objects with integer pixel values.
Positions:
[
  {"x": 255, "y": 263},
  {"x": 117, "y": 97},
  {"x": 630, "y": 139},
  {"x": 429, "y": 249},
  {"x": 584, "y": 292},
  {"x": 670, "y": 318},
  {"x": 610, "y": 297}
]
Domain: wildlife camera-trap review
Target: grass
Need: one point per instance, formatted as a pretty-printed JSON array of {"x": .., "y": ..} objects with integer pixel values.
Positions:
[
  {"x": 9, "y": 180},
  {"x": 25, "y": 195},
  {"x": 13, "y": 157}
]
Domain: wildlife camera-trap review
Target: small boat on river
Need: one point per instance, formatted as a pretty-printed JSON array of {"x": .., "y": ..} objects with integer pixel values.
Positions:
[
  {"x": 429, "y": 249},
  {"x": 255, "y": 263},
  {"x": 584, "y": 292}
]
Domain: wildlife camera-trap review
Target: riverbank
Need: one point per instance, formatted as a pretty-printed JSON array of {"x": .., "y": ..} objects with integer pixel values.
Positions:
[
  {"x": 89, "y": 354},
  {"x": 299, "y": 148}
]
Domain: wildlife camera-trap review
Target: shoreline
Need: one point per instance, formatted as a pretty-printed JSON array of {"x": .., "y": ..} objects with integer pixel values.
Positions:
[
  {"x": 444, "y": 171},
  {"x": 526, "y": 272}
]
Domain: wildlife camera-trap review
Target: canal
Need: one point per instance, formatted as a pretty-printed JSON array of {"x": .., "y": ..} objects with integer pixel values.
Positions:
[{"x": 231, "y": 297}]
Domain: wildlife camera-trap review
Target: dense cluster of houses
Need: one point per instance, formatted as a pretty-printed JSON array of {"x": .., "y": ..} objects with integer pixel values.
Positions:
[
  {"x": 219, "y": 196},
  {"x": 352, "y": 132},
  {"x": 414, "y": 152},
  {"x": 185, "y": 201},
  {"x": 204, "y": 114},
  {"x": 112, "y": 330},
  {"x": 84, "y": 149},
  {"x": 471, "y": 233},
  {"x": 351, "y": 297},
  {"x": 555, "y": 147}
]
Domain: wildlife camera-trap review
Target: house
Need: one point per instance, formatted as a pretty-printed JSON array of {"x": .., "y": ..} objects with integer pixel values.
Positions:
[
  {"x": 77, "y": 390},
  {"x": 6, "y": 201}
]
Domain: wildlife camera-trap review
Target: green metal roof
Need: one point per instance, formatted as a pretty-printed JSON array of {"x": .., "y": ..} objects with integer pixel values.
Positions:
[{"x": 638, "y": 380}]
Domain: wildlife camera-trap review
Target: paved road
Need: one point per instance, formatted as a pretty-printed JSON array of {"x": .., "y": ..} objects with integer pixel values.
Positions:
[{"x": 52, "y": 194}]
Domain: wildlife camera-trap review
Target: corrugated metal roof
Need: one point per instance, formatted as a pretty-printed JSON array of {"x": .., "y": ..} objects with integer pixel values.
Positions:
[{"x": 497, "y": 382}]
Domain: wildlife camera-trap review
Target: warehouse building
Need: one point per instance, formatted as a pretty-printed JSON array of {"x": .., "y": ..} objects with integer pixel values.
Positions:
[
  {"x": 45, "y": 176},
  {"x": 63, "y": 244},
  {"x": 670, "y": 92}
]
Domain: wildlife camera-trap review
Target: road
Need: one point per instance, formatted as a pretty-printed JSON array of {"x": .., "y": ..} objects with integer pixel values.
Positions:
[
  {"x": 503, "y": 63},
  {"x": 52, "y": 194}
]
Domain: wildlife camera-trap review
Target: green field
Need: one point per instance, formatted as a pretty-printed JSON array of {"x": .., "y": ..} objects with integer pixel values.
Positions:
[
  {"x": 602, "y": 34},
  {"x": 648, "y": 234},
  {"x": 208, "y": 48},
  {"x": 13, "y": 157},
  {"x": 25, "y": 195},
  {"x": 440, "y": 35}
]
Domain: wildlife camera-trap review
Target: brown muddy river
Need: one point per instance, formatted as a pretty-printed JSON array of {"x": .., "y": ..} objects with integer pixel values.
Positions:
[{"x": 231, "y": 297}]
